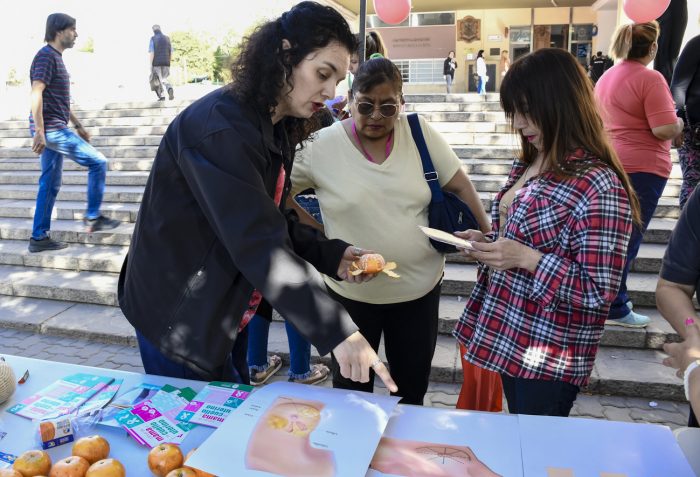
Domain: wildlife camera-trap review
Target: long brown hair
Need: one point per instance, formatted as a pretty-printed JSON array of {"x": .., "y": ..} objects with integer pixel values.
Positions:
[{"x": 551, "y": 88}]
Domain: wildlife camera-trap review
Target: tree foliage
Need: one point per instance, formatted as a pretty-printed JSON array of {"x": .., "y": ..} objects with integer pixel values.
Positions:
[{"x": 193, "y": 53}]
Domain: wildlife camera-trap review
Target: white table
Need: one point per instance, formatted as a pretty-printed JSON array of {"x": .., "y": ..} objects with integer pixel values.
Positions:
[
  {"x": 42, "y": 373},
  {"x": 689, "y": 440}
]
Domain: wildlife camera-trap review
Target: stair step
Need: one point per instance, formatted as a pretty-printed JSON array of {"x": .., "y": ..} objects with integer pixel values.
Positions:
[
  {"x": 635, "y": 372},
  {"x": 464, "y": 98},
  {"x": 128, "y": 112},
  {"x": 83, "y": 287},
  {"x": 77, "y": 257},
  {"x": 71, "y": 231},
  {"x": 109, "y": 152},
  {"x": 127, "y": 178},
  {"x": 436, "y": 117},
  {"x": 97, "y": 141},
  {"x": 69, "y": 210},
  {"x": 453, "y": 107},
  {"x": 116, "y": 193},
  {"x": 119, "y": 121},
  {"x": 68, "y": 165}
]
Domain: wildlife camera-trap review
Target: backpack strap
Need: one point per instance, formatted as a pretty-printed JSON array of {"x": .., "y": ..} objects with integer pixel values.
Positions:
[{"x": 429, "y": 172}]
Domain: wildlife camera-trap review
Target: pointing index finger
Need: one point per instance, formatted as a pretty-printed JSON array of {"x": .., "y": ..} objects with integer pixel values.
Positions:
[{"x": 383, "y": 373}]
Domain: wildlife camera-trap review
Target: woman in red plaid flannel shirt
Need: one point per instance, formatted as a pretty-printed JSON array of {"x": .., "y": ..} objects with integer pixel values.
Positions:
[{"x": 551, "y": 266}]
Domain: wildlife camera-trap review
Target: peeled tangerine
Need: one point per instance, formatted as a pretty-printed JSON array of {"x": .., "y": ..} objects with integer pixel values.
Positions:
[{"x": 373, "y": 263}]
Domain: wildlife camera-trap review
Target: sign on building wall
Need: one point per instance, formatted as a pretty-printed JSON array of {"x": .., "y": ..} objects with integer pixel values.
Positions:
[
  {"x": 469, "y": 29},
  {"x": 411, "y": 43}
]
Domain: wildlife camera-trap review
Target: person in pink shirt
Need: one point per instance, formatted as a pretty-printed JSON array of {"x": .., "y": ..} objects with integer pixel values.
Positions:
[{"x": 639, "y": 114}]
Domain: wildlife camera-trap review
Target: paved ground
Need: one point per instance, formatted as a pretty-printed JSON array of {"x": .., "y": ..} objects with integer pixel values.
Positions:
[{"x": 114, "y": 356}]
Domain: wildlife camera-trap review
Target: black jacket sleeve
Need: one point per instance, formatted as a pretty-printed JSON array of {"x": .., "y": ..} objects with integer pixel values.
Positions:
[
  {"x": 225, "y": 172},
  {"x": 314, "y": 247},
  {"x": 686, "y": 69}
]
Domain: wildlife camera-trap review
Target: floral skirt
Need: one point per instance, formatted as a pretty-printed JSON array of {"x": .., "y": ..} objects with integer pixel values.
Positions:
[{"x": 689, "y": 158}]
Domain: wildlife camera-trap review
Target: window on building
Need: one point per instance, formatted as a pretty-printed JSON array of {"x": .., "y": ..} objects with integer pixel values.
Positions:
[
  {"x": 415, "y": 19},
  {"x": 426, "y": 71},
  {"x": 373, "y": 21},
  {"x": 424, "y": 19}
]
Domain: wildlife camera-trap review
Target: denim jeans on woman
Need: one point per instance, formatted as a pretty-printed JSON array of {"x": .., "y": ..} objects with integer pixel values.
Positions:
[
  {"x": 649, "y": 188},
  {"x": 299, "y": 348},
  {"x": 65, "y": 142}
]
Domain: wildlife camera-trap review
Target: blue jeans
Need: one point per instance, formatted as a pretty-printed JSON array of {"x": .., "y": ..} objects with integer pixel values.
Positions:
[
  {"x": 649, "y": 188},
  {"x": 234, "y": 370},
  {"x": 299, "y": 348},
  {"x": 481, "y": 86},
  {"x": 65, "y": 142}
]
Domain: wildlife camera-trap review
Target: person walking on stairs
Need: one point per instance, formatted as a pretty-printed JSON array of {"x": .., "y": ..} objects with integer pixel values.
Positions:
[
  {"x": 53, "y": 139},
  {"x": 160, "y": 51},
  {"x": 639, "y": 114}
]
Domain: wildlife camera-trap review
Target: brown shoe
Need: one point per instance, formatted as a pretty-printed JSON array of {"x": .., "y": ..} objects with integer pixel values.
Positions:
[
  {"x": 274, "y": 363},
  {"x": 317, "y": 374}
]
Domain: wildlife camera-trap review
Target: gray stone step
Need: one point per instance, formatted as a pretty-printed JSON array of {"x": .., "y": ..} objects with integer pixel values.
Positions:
[
  {"x": 77, "y": 257},
  {"x": 128, "y": 112},
  {"x": 453, "y": 107},
  {"x": 100, "y": 323},
  {"x": 109, "y": 152},
  {"x": 69, "y": 210},
  {"x": 74, "y": 193},
  {"x": 127, "y": 178},
  {"x": 635, "y": 372},
  {"x": 441, "y": 98},
  {"x": 72, "y": 231},
  {"x": 118, "y": 121},
  {"x": 460, "y": 278},
  {"x": 68, "y": 165},
  {"x": 80, "y": 287},
  {"x": 497, "y": 118},
  {"x": 97, "y": 131},
  {"x": 97, "y": 141}
]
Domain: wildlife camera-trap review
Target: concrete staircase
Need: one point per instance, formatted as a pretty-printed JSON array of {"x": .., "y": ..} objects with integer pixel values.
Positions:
[{"x": 73, "y": 291}]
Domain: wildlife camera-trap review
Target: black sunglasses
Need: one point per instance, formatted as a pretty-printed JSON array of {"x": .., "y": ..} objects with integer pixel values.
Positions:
[{"x": 386, "y": 110}]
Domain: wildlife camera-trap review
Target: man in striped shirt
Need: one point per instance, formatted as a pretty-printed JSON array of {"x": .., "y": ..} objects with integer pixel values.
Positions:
[{"x": 48, "y": 123}]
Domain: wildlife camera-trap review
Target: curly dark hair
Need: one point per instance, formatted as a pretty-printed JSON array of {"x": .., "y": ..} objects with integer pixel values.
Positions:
[{"x": 263, "y": 67}]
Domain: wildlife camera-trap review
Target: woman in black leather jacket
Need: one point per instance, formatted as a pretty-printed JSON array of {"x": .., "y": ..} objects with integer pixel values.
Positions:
[{"x": 211, "y": 237}]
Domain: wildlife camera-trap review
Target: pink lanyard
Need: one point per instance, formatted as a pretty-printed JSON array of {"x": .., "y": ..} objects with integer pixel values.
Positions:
[{"x": 387, "y": 151}]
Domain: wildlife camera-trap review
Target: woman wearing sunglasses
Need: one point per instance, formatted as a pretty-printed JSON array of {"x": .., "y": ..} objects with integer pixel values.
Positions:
[{"x": 368, "y": 177}]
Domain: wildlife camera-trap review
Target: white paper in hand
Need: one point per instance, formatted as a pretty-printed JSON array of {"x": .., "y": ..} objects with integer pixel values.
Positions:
[{"x": 444, "y": 237}]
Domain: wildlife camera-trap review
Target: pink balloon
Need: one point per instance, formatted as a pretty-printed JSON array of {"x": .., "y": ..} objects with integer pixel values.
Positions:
[
  {"x": 642, "y": 11},
  {"x": 392, "y": 11}
]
